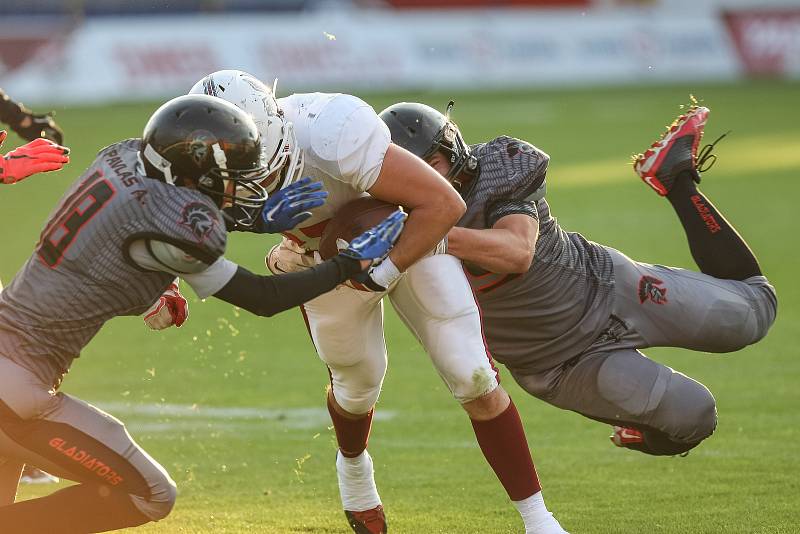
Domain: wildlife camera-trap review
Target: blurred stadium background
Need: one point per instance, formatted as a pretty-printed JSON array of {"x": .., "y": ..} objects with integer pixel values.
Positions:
[{"x": 233, "y": 406}]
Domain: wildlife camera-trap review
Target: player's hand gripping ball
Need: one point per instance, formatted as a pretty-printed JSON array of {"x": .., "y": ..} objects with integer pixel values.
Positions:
[
  {"x": 170, "y": 309},
  {"x": 352, "y": 220}
]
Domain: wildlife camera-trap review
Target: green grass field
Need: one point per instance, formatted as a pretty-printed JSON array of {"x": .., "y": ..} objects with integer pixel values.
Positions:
[{"x": 270, "y": 466}]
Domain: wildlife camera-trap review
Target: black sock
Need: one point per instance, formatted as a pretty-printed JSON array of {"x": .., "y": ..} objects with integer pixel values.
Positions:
[
  {"x": 716, "y": 247},
  {"x": 74, "y": 510}
]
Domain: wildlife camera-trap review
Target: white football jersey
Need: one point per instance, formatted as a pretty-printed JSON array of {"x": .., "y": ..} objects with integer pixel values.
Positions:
[{"x": 343, "y": 142}]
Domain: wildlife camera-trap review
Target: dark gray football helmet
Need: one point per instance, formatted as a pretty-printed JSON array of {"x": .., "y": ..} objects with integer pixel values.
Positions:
[{"x": 423, "y": 131}]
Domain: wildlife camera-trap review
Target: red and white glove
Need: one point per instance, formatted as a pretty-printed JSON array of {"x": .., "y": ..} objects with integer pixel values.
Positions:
[
  {"x": 40, "y": 155},
  {"x": 170, "y": 309}
]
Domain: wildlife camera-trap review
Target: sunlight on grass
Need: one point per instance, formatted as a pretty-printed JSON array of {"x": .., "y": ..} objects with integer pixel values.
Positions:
[{"x": 752, "y": 155}]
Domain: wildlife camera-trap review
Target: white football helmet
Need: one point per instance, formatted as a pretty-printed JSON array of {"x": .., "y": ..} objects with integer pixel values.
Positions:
[{"x": 281, "y": 154}]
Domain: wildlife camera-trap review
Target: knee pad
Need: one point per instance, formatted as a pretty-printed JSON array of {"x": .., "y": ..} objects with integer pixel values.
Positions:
[
  {"x": 161, "y": 501},
  {"x": 481, "y": 382},
  {"x": 766, "y": 305},
  {"x": 356, "y": 400},
  {"x": 687, "y": 412}
]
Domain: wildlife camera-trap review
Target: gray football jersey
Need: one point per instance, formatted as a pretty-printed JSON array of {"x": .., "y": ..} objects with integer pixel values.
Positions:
[
  {"x": 79, "y": 276},
  {"x": 551, "y": 313}
]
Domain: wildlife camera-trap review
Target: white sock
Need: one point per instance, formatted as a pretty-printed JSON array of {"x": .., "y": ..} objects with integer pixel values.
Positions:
[
  {"x": 357, "y": 482},
  {"x": 536, "y": 516}
]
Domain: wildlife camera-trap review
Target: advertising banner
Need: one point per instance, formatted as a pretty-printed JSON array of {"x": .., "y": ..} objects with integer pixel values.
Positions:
[
  {"x": 140, "y": 58},
  {"x": 768, "y": 42}
]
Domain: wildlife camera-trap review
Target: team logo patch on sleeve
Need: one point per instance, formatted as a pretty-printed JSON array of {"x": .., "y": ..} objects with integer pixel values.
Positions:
[
  {"x": 515, "y": 147},
  {"x": 198, "y": 218},
  {"x": 651, "y": 289}
]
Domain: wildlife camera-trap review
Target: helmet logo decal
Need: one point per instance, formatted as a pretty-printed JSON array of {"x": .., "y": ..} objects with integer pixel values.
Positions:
[
  {"x": 199, "y": 152},
  {"x": 198, "y": 218},
  {"x": 198, "y": 145},
  {"x": 514, "y": 147},
  {"x": 208, "y": 86}
]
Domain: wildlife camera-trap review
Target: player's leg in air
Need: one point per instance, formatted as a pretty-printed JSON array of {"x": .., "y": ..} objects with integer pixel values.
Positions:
[
  {"x": 723, "y": 308},
  {"x": 727, "y": 306}
]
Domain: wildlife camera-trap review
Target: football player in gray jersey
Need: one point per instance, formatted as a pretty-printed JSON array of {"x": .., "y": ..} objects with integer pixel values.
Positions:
[
  {"x": 567, "y": 316},
  {"x": 145, "y": 211}
]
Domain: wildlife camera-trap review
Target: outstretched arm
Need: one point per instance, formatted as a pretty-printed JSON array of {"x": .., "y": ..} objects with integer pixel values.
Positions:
[{"x": 268, "y": 295}]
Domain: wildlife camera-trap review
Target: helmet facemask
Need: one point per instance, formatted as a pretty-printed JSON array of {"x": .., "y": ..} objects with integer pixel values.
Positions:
[
  {"x": 285, "y": 163},
  {"x": 239, "y": 192}
]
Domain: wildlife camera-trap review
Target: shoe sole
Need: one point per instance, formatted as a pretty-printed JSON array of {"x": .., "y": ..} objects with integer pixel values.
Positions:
[{"x": 691, "y": 123}]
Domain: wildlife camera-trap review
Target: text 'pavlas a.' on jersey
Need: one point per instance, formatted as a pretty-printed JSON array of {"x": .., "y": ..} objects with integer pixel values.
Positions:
[
  {"x": 80, "y": 275},
  {"x": 538, "y": 319},
  {"x": 343, "y": 142}
]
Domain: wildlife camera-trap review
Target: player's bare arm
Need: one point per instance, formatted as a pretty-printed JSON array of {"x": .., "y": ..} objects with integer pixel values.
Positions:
[
  {"x": 433, "y": 205},
  {"x": 505, "y": 248}
]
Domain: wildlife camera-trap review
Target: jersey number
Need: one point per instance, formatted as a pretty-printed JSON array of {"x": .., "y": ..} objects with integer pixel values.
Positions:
[{"x": 85, "y": 203}]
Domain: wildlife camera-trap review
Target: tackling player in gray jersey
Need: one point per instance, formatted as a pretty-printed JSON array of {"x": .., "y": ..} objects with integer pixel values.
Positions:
[
  {"x": 568, "y": 316},
  {"x": 143, "y": 213}
]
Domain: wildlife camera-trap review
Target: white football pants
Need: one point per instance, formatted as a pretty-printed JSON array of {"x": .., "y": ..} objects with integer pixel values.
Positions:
[{"x": 435, "y": 301}]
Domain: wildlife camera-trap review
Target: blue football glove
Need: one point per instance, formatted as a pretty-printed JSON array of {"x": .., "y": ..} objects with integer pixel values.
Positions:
[
  {"x": 374, "y": 245},
  {"x": 287, "y": 208}
]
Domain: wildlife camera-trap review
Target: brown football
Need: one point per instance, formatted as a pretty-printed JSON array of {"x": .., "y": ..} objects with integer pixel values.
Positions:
[{"x": 352, "y": 220}]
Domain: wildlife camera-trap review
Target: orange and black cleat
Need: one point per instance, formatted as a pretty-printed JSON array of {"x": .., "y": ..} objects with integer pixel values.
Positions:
[
  {"x": 372, "y": 521},
  {"x": 675, "y": 152}
]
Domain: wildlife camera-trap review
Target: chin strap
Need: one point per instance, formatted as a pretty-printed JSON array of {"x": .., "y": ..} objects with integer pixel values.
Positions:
[{"x": 155, "y": 159}]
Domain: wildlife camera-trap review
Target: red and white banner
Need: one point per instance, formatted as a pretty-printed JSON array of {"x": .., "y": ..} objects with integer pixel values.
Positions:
[
  {"x": 768, "y": 42},
  {"x": 140, "y": 58}
]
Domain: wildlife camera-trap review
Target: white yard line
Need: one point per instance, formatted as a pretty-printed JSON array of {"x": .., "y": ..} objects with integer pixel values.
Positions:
[{"x": 158, "y": 417}]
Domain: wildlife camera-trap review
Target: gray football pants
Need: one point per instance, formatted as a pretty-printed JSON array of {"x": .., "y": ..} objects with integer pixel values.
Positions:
[
  {"x": 74, "y": 440},
  {"x": 657, "y": 306}
]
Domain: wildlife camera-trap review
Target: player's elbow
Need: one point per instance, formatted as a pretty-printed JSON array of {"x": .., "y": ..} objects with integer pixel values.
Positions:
[
  {"x": 451, "y": 208},
  {"x": 521, "y": 262}
]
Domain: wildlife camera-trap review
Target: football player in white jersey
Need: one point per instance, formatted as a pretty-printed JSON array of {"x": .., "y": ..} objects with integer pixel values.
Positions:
[{"x": 339, "y": 141}]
